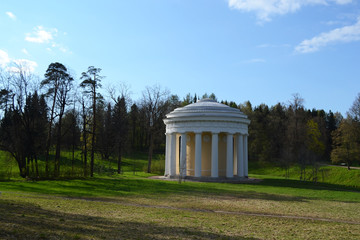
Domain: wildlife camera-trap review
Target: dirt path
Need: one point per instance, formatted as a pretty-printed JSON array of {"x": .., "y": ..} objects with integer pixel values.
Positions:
[{"x": 329, "y": 165}]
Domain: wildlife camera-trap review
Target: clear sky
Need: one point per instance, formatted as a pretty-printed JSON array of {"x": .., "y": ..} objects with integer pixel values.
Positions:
[{"x": 258, "y": 50}]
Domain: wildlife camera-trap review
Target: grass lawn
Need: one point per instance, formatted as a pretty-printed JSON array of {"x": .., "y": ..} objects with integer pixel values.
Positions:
[
  {"x": 134, "y": 207},
  {"x": 131, "y": 206},
  {"x": 326, "y": 174}
]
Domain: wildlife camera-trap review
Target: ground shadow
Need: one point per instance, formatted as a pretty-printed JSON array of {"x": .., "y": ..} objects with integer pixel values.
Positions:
[
  {"x": 113, "y": 187},
  {"x": 147, "y": 188},
  {"x": 28, "y": 221},
  {"x": 275, "y": 182}
]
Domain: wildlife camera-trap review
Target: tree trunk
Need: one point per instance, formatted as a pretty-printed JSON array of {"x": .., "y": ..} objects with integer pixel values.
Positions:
[
  {"x": 151, "y": 146},
  {"x": 119, "y": 159},
  {"x": 73, "y": 159},
  {"x": 58, "y": 149},
  {"x": 27, "y": 166},
  {"x": 32, "y": 166},
  {"x": 84, "y": 141},
  {"x": 93, "y": 133},
  {"x": 48, "y": 142},
  {"x": 36, "y": 167}
]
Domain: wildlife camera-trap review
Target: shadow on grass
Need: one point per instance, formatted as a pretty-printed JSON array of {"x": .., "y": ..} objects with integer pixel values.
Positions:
[
  {"x": 28, "y": 221},
  {"x": 123, "y": 187},
  {"x": 276, "y": 182}
]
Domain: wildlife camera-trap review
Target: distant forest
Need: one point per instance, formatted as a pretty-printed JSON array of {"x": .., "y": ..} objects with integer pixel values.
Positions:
[{"x": 41, "y": 117}]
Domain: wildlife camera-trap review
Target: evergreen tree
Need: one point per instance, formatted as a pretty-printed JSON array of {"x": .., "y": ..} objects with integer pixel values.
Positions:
[
  {"x": 134, "y": 126},
  {"x": 120, "y": 128},
  {"x": 58, "y": 83},
  {"x": 90, "y": 83}
]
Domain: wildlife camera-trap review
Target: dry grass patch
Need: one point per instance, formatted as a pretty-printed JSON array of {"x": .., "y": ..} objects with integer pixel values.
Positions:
[{"x": 34, "y": 216}]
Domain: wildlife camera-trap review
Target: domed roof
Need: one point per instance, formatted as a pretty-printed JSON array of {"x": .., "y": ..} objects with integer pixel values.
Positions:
[
  {"x": 205, "y": 107},
  {"x": 206, "y": 115}
]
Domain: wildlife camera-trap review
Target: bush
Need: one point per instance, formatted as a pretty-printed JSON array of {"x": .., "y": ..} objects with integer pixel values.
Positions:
[
  {"x": 157, "y": 165},
  {"x": 7, "y": 166}
]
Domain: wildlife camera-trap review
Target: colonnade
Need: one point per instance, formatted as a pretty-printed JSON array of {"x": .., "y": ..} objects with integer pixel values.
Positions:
[{"x": 233, "y": 156}]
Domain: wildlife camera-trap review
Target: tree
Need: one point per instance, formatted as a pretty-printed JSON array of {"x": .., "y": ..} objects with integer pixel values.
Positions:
[
  {"x": 90, "y": 83},
  {"x": 346, "y": 138},
  {"x": 296, "y": 132},
  {"x": 84, "y": 136},
  {"x": 134, "y": 118},
  {"x": 22, "y": 134},
  {"x": 12, "y": 138},
  {"x": 19, "y": 123},
  {"x": 354, "y": 111},
  {"x": 346, "y": 147},
  {"x": 120, "y": 129},
  {"x": 187, "y": 100},
  {"x": 71, "y": 134},
  {"x": 155, "y": 103},
  {"x": 105, "y": 131},
  {"x": 211, "y": 96},
  {"x": 58, "y": 83},
  {"x": 259, "y": 147},
  {"x": 5, "y": 97},
  {"x": 314, "y": 144},
  {"x": 174, "y": 101}
]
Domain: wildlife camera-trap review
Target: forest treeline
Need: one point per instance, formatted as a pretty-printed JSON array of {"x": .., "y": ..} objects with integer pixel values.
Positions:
[{"x": 41, "y": 119}]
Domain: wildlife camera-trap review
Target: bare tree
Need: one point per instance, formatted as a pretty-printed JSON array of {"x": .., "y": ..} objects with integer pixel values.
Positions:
[
  {"x": 155, "y": 102},
  {"x": 354, "y": 111},
  {"x": 296, "y": 132},
  {"x": 16, "y": 137}
]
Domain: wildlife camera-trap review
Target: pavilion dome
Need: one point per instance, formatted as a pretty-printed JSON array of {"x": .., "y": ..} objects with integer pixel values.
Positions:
[
  {"x": 206, "y": 107},
  {"x": 207, "y": 115}
]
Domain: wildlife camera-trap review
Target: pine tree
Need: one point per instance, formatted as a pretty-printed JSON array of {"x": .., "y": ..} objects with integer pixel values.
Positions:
[{"x": 90, "y": 83}]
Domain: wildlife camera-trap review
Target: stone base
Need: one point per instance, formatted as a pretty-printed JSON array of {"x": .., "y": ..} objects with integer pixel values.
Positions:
[{"x": 234, "y": 179}]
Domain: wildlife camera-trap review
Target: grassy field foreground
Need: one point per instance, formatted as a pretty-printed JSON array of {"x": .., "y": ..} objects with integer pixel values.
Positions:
[{"x": 134, "y": 207}]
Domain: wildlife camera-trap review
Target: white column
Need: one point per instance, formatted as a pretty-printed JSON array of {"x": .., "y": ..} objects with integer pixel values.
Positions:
[
  {"x": 182, "y": 166},
  {"x": 167, "y": 156},
  {"x": 215, "y": 155},
  {"x": 246, "y": 155},
  {"x": 197, "y": 154},
  {"x": 229, "y": 156},
  {"x": 173, "y": 154},
  {"x": 240, "y": 155},
  {"x": 235, "y": 146}
]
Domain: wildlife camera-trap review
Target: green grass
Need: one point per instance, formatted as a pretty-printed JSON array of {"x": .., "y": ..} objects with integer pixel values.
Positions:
[
  {"x": 131, "y": 206},
  {"x": 136, "y": 185},
  {"x": 134, "y": 207},
  {"x": 135, "y": 163},
  {"x": 327, "y": 174}
]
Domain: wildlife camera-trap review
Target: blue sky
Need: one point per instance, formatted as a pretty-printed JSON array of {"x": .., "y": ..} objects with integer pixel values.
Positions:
[{"x": 258, "y": 50}]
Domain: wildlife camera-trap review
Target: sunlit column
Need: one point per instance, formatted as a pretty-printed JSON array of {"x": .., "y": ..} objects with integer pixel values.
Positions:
[
  {"x": 173, "y": 154},
  {"x": 167, "y": 156},
  {"x": 246, "y": 155},
  {"x": 197, "y": 154},
  {"x": 229, "y": 156},
  {"x": 240, "y": 155},
  {"x": 215, "y": 155},
  {"x": 182, "y": 166}
]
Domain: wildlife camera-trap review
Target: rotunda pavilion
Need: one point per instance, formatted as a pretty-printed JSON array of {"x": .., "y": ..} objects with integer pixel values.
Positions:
[{"x": 206, "y": 139}]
